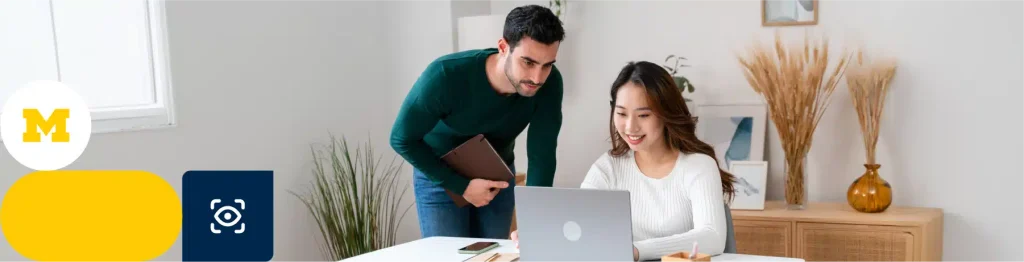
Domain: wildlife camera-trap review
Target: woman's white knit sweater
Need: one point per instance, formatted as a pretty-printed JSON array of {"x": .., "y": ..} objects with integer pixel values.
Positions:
[{"x": 671, "y": 213}]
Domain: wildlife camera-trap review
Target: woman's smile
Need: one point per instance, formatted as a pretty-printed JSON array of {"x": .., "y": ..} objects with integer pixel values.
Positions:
[{"x": 635, "y": 140}]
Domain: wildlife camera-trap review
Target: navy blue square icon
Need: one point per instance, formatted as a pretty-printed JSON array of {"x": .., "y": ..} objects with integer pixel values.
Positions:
[{"x": 227, "y": 215}]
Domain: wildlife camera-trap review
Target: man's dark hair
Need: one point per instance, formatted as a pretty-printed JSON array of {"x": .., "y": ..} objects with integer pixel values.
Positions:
[{"x": 532, "y": 21}]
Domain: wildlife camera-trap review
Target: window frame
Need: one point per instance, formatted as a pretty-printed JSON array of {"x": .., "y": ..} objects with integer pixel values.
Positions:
[
  {"x": 161, "y": 113},
  {"x": 157, "y": 115}
]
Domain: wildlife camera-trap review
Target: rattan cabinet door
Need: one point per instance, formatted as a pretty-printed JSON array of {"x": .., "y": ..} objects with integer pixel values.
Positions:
[
  {"x": 765, "y": 238},
  {"x": 844, "y": 242}
]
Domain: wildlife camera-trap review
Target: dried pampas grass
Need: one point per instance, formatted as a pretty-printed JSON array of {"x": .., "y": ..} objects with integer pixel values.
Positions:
[
  {"x": 868, "y": 82},
  {"x": 790, "y": 78}
]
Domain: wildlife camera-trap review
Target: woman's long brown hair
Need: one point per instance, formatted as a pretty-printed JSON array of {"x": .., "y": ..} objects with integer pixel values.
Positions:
[{"x": 666, "y": 100}]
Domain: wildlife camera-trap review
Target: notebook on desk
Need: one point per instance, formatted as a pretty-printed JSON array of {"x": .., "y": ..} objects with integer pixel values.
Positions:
[
  {"x": 476, "y": 158},
  {"x": 494, "y": 257}
]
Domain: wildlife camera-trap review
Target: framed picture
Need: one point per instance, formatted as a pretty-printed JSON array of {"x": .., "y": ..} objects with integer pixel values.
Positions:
[
  {"x": 751, "y": 181},
  {"x": 735, "y": 131},
  {"x": 789, "y": 12}
]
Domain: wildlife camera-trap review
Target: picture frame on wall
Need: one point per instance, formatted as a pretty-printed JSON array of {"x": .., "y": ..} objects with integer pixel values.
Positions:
[
  {"x": 735, "y": 131},
  {"x": 751, "y": 183}
]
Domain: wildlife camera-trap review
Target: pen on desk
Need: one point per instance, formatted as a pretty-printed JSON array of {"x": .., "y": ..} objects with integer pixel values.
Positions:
[
  {"x": 693, "y": 253},
  {"x": 492, "y": 257}
]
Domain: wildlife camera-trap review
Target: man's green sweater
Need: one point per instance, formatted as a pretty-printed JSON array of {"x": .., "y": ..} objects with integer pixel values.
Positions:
[{"x": 452, "y": 101}]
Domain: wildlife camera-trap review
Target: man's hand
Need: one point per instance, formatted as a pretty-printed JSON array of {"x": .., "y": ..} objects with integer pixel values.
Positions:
[
  {"x": 636, "y": 254},
  {"x": 479, "y": 191}
]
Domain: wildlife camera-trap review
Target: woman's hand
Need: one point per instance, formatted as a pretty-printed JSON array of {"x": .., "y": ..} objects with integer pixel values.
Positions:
[
  {"x": 515, "y": 238},
  {"x": 636, "y": 254}
]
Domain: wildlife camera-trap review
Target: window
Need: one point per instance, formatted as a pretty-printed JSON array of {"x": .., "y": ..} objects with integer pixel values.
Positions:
[{"x": 112, "y": 52}]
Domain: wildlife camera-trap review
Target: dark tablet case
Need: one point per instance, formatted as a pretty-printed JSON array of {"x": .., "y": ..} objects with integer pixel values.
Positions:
[{"x": 475, "y": 158}]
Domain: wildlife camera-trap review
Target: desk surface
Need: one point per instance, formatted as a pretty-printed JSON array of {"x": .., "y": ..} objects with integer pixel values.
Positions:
[{"x": 444, "y": 249}]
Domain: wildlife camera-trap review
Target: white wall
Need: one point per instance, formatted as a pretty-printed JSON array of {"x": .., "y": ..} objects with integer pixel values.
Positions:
[
  {"x": 464, "y": 8},
  {"x": 960, "y": 61},
  {"x": 256, "y": 82}
]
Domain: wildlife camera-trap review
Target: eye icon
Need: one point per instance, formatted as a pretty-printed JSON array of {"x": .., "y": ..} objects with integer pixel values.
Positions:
[{"x": 227, "y": 216}]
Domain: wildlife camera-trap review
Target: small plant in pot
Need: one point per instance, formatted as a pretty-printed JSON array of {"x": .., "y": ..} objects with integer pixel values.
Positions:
[{"x": 673, "y": 64}]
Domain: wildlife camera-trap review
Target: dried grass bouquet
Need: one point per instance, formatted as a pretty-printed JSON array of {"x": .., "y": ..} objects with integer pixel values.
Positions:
[
  {"x": 868, "y": 82},
  {"x": 791, "y": 78}
]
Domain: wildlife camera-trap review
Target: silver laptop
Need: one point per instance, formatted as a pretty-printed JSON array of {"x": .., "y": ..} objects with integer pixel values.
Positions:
[{"x": 562, "y": 224}]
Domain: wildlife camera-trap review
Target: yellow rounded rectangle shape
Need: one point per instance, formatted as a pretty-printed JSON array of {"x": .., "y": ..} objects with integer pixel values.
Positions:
[{"x": 91, "y": 216}]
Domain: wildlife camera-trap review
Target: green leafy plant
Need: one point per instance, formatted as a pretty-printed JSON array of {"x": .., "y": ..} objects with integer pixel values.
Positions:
[
  {"x": 673, "y": 64},
  {"x": 353, "y": 199}
]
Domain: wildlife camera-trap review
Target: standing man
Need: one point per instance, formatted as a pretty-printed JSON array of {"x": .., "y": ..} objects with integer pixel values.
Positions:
[{"x": 496, "y": 92}]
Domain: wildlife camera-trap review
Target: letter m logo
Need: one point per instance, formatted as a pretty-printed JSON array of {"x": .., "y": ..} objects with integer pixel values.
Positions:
[{"x": 34, "y": 122}]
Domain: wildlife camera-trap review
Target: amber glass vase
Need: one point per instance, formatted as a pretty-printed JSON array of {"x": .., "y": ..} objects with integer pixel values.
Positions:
[{"x": 870, "y": 193}]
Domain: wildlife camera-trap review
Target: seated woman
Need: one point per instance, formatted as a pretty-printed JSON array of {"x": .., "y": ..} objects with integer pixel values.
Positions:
[{"x": 677, "y": 190}]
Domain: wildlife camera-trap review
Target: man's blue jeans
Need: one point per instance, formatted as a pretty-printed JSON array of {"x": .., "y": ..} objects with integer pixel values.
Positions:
[{"x": 439, "y": 216}]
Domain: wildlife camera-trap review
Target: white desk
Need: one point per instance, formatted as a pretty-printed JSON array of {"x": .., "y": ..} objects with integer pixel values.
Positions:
[{"x": 445, "y": 249}]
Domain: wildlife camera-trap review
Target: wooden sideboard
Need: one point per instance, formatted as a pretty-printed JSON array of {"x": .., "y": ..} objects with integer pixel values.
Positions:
[{"x": 836, "y": 232}]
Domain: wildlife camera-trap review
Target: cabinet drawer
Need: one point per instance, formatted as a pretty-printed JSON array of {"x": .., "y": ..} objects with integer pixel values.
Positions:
[
  {"x": 843, "y": 242},
  {"x": 765, "y": 238}
]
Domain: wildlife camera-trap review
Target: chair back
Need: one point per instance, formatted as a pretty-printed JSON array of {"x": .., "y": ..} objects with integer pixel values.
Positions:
[{"x": 730, "y": 235}]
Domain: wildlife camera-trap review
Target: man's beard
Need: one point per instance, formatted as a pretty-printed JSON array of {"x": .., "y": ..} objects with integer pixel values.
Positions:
[{"x": 518, "y": 86}]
